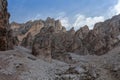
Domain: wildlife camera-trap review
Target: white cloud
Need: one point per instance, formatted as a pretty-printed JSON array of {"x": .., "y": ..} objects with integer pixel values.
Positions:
[
  {"x": 64, "y": 19},
  {"x": 82, "y": 20},
  {"x": 116, "y": 8},
  {"x": 38, "y": 16},
  {"x": 34, "y": 17},
  {"x": 65, "y": 22}
]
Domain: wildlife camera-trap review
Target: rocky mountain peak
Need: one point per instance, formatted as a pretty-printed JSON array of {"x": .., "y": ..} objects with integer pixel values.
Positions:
[
  {"x": 71, "y": 31},
  {"x": 82, "y": 32},
  {"x": 83, "y": 41},
  {"x": 100, "y": 40},
  {"x": 63, "y": 29}
]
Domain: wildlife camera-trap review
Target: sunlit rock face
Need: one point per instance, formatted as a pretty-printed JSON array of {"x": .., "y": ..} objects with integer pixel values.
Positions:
[
  {"x": 78, "y": 41},
  {"x": 52, "y": 41},
  {"x": 33, "y": 27},
  {"x": 21, "y": 31},
  {"x": 5, "y": 32},
  {"x": 57, "y": 41},
  {"x": 104, "y": 36}
]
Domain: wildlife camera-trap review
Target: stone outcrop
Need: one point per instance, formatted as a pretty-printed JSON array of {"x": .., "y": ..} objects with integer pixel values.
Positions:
[
  {"x": 100, "y": 40},
  {"x": 78, "y": 45},
  {"x": 27, "y": 41},
  {"x": 55, "y": 23},
  {"x": 22, "y": 30},
  {"x": 5, "y": 32},
  {"x": 51, "y": 42},
  {"x": 104, "y": 36},
  {"x": 42, "y": 45}
]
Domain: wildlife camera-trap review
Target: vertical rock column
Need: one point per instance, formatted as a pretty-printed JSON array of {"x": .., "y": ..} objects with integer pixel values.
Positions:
[{"x": 4, "y": 26}]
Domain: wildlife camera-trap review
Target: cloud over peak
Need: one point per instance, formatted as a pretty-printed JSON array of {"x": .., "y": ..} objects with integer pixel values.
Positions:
[
  {"x": 116, "y": 8},
  {"x": 81, "y": 20}
]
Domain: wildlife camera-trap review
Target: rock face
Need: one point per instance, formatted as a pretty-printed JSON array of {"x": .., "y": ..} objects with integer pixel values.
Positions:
[
  {"x": 51, "y": 34},
  {"x": 52, "y": 41},
  {"x": 61, "y": 41},
  {"x": 27, "y": 41},
  {"x": 33, "y": 27},
  {"x": 42, "y": 45},
  {"x": 21, "y": 31},
  {"x": 104, "y": 36},
  {"x": 5, "y": 32},
  {"x": 100, "y": 40},
  {"x": 78, "y": 45}
]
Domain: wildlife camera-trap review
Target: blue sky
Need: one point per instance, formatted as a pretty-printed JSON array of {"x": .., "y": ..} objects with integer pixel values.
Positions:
[{"x": 70, "y": 12}]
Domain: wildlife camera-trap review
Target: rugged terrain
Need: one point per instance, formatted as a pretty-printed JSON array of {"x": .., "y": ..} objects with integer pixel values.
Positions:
[
  {"x": 52, "y": 40},
  {"x": 19, "y": 64},
  {"x": 45, "y": 50},
  {"x": 71, "y": 55}
]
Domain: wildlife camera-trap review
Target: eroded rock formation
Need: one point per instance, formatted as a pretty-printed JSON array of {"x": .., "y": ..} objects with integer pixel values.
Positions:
[
  {"x": 5, "y": 31},
  {"x": 21, "y": 31},
  {"x": 98, "y": 41},
  {"x": 50, "y": 42},
  {"x": 104, "y": 36}
]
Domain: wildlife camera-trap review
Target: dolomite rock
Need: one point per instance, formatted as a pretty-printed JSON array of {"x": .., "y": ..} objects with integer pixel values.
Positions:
[
  {"x": 5, "y": 32},
  {"x": 78, "y": 45},
  {"x": 104, "y": 36},
  {"x": 27, "y": 41},
  {"x": 51, "y": 41}
]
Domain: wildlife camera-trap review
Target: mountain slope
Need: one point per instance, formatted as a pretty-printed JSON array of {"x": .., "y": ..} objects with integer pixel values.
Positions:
[{"x": 19, "y": 64}]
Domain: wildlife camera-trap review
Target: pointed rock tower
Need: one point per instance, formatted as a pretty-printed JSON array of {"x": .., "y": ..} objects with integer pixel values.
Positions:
[{"x": 5, "y": 32}]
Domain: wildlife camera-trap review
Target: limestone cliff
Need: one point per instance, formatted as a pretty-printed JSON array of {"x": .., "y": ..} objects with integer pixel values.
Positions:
[{"x": 5, "y": 31}]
